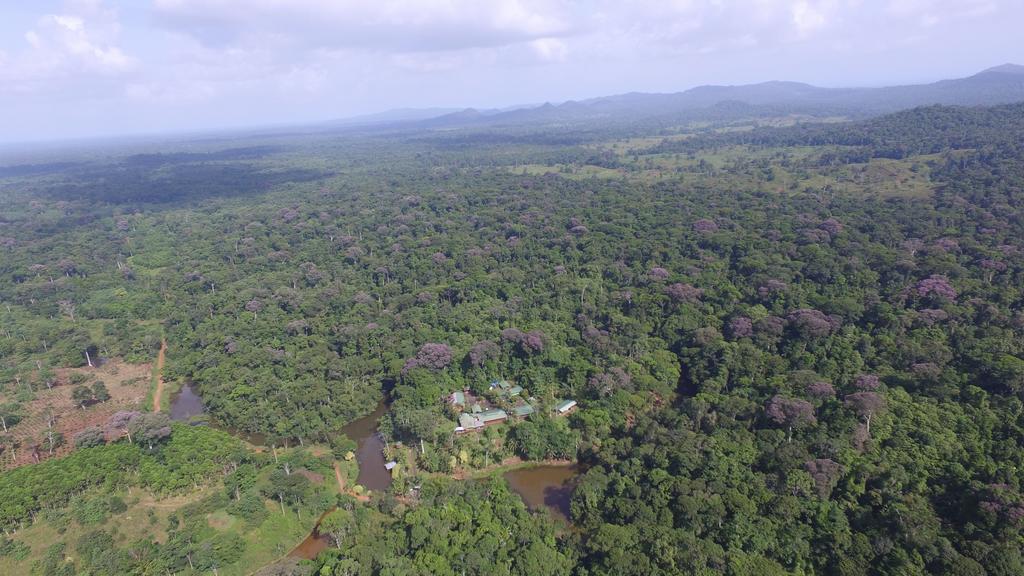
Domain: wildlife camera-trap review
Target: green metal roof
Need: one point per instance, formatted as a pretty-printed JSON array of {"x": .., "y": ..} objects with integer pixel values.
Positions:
[
  {"x": 492, "y": 415},
  {"x": 523, "y": 410},
  {"x": 473, "y": 421},
  {"x": 565, "y": 405}
]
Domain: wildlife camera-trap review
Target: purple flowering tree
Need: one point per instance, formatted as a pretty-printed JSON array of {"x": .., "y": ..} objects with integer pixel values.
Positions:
[
  {"x": 254, "y": 306},
  {"x": 680, "y": 292},
  {"x": 432, "y": 356},
  {"x": 926, "y": 370},
  {"x": 832, "y": 226},
  {"x": 657, "y": 273},
  {"x": 532, "y": 342},
  {"x": 1002, "y": 502},
  {"x": 936, "y": 286},
  {"x": 741, "y": 327},
  {"x": 605, "y": 383},
  {"x": 512, "y": 335},
  {"x": 790, "y": 412},
  {"x": 812, "y": 323},
  {"x": 866, "y": 404},
  {"x": 144, "y": 427},
  {"x": 771, "y": 287},
  {"x": 816, "y": 236},
  {"x": 483, "y": 352},
  {"x": 866, "y": 382},
  {"x": 821, "y": 390},
  {"x": 528, "y": 343},
  {"x": 825, "y": 473},
  {"x": 311, "y": 273},
  {"x": 991, "y": 267}
]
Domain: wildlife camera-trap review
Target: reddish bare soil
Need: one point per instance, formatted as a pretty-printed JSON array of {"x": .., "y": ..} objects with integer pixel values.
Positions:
[
  {"x": 159, "y": 370},
  {"x": 337, "y": 476},
  {"x": 127, "y": 384}
]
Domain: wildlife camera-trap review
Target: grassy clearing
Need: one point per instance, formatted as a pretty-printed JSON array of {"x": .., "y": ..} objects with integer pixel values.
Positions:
[
  {"x": 146, "y": 517},
  {"x": 277, "y": 536},
  {"x": 568, "y": 171}
]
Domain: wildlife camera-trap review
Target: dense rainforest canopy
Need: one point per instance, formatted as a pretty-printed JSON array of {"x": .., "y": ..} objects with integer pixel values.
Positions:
[{"x": 796, "y": 349}]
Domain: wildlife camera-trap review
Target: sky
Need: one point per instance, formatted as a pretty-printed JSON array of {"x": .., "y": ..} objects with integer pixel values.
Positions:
[{"x": 85, "y": 68}]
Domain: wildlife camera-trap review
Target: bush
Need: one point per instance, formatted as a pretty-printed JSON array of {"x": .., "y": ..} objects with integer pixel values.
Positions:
[
  {"x": 57, "y": 518},
  {"x": 91, "y": 511},
  {"x": 250, "y": 508},
  {"x": 18, "y": 551},
  {"x": 208, "y": 505},
  {"x": 117, "y": 505},
  {"x": 221, "y": 550},
  {"x": 342, "y": 445},
  {"x": 77, "y": 378}
]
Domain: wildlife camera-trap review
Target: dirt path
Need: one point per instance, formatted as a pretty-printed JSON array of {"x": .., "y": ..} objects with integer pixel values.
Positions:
[
  {"x": 337, "y": 475},
  {"x": 159, "y": 368}
]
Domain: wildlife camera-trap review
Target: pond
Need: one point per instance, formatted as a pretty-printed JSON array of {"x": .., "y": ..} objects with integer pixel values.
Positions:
[
  {"x": 186, "y": 405},
  {"x": 547, "y": 486}
]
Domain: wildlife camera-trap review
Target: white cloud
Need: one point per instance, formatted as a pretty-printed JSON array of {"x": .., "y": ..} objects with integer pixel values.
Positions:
[
  {"x": 77, "y": 43},
  {"x": 927, "y": 13},
  {"x": 70, "y": 37},
  {"x": 384, "y": 25},
  {"x": 550, "y": 49},
  {"x": 809, "y": 17}
]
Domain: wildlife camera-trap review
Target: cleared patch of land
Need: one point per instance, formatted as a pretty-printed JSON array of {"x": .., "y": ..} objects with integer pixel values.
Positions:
[
  {"x": 147, "y": 517},
  {"x": 53, "y": 410}
]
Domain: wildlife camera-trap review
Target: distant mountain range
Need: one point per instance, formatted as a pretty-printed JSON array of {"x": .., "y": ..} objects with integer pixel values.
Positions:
[{"x": 998, "y": 85}]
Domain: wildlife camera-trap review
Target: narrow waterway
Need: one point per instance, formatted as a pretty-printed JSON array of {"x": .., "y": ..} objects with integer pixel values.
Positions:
[
  {"x": 314, "y": 544},
  {"x": 370, "y": 449},
  {"x": 545, "y": 487},
  {"x": 187, "y": 404}
]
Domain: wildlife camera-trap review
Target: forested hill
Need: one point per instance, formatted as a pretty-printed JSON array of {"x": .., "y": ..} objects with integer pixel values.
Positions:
[
  {"x": 794, "y": 351},
  {"x": 998, "y": 85},
  {"x": 926, "y": 130}
]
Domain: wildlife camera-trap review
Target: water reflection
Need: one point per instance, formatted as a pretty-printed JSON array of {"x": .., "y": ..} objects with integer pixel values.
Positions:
[
  {"x": 314, "y": 544},
  {"x": 545, "y": 486},
  {"x": 370, "y": 449},
  {"x": 186, "y": 405}
]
